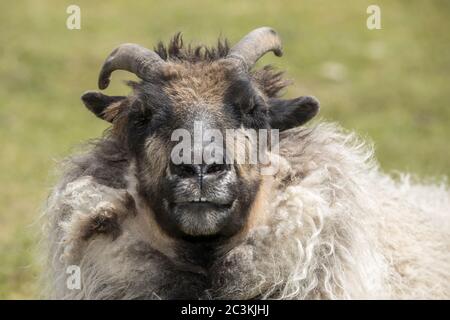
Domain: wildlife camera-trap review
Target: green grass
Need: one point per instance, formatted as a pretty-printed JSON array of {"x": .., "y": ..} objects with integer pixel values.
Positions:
[{"x": 392, "y": 85}]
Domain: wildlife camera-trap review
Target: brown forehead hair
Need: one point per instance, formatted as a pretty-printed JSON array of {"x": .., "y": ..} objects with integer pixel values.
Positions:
[
  {"x": 198, "y": 83},
  {"x": 201, "y": 71}
]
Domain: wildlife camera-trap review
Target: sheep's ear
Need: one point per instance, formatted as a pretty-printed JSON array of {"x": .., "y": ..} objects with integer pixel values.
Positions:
[
  {"x": 98, "y": 103},
  {"x": 287, "y": 114}
]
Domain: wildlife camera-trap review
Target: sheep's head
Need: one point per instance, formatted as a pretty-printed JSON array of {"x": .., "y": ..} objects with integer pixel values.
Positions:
[{"x": 198, "y": 95}]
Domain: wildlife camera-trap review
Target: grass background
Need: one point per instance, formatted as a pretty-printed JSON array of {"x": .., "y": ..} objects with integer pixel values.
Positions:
[{"x": 392, "y": 85}]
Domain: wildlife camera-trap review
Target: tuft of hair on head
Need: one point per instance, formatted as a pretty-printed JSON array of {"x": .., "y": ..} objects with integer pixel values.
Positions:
[
  {"x": 177, "y": 50},
  {"x": 272, "y": 81}
]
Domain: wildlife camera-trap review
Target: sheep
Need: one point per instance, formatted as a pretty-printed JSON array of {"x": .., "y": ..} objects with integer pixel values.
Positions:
[{"x": 328, "y": 224}]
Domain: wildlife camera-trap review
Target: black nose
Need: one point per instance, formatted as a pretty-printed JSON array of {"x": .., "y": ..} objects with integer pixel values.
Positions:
[{"x": 191, "y": 170}]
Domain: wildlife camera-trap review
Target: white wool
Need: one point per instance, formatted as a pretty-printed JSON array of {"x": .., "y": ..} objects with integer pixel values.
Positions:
[{"x": 337, "y": 228}]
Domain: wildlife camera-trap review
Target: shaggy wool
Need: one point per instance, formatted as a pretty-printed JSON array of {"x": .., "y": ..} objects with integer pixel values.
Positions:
[{"x": 329, "y": 225}]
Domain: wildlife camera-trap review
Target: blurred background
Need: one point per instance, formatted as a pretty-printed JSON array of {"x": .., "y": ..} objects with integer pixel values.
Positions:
[{"x": 392, "y": 85}]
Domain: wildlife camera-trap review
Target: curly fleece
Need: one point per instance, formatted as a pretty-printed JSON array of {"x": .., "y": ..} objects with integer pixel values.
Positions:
[{"x": 329, "y": 225}]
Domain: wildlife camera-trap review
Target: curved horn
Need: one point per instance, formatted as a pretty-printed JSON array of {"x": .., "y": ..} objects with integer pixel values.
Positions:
[
  {"x": 255, "y": 44},
  {"x": 130, "y": 57}
]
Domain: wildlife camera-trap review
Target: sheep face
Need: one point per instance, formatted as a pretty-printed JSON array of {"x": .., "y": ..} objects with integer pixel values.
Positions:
[
  {"x": 186, "y": 124},
  {"x": 204, "y": 196},
  {"x": 171, "y": 128}
]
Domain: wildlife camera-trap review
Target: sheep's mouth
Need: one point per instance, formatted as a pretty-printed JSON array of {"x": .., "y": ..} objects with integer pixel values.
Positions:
[{"x": 200, "y": 218}]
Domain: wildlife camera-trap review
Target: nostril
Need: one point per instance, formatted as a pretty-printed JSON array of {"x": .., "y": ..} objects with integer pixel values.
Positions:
[
  {"x": 192, "y": 170},
  {"x": 215, "y": 168}
]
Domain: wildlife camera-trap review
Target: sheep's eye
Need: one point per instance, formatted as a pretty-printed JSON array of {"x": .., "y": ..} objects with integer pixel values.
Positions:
[{"x": 141, "y": 117}]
